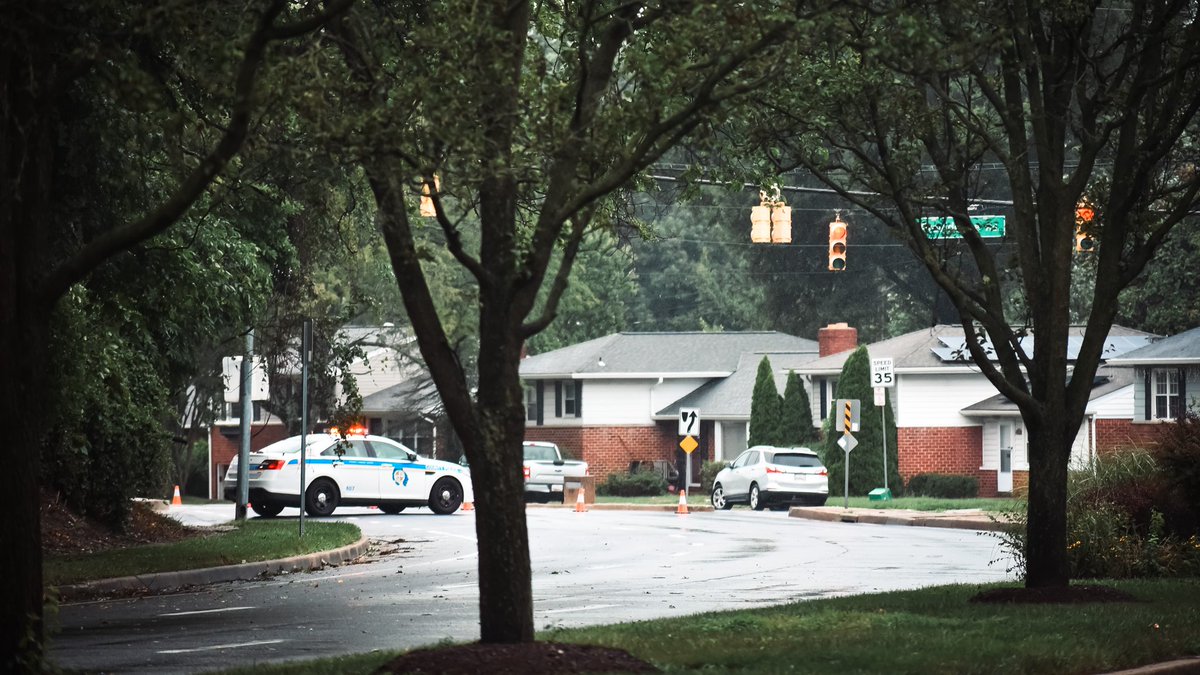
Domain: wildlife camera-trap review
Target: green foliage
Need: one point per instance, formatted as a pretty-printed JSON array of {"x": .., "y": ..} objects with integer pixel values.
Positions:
[
  {"x": 708, "y": 473},
  {"x": 106, "y": 441},
  {"x": 866, "y": 460},
  {"x": 637, "y": 484},
  {"x": 1123, "y": 521},
  {"x": 796, "y": 427},
  {"x": 765, "y": 404},
  {"x": 1178, "y": 453},
  {"x": 943, "y": 486}
]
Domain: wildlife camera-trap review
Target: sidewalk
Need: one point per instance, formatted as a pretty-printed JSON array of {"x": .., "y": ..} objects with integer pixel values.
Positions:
[{"x": 962, "y": 519}]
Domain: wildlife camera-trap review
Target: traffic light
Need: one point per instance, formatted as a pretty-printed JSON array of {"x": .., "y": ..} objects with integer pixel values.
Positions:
[
  {"x": 771, "y": 220},
  {"x": 1085, "y": 216},
  {"x": 837, "y": 244}
]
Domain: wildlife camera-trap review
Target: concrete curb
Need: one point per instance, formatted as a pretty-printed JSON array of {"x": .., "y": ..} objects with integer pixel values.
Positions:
[
  {"x": 981, "y": 522},
  {"x": 624, "y": 507},
  {"x": 1187, "y": 665},
  {"x": 162, "y": 581}
]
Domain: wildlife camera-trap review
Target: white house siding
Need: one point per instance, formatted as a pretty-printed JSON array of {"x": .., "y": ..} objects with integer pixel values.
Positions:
[
  {"x": 382, "y": 369},
  {"x": 1114, "y": 405},
  {"x": 607, "y": 402},
  {"x": 1081, "y": 447},
  {"x": 991, "y": 444},
  {"x": 934, "y": 400}
]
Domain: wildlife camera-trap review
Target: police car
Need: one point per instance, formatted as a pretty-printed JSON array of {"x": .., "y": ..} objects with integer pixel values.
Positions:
[{"x": 355, "y": 470}]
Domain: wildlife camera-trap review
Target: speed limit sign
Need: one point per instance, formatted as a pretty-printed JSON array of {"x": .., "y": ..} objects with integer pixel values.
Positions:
[{"x": 881, "y": 373}]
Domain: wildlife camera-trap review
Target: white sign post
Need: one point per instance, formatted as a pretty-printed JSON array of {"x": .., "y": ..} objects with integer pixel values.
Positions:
[
  {"x": 689, "y": 428},
  {"x": 882, "y": 377}
]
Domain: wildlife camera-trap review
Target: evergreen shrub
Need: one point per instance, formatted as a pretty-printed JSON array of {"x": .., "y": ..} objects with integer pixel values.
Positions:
[
  {"x": 637, "y": 484},
  {"x": 942, "y": 486}
]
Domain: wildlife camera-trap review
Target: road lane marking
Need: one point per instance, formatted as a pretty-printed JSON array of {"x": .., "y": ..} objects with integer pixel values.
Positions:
[
  {"x": 208, "y": 611},
  {"x": 450, "y": 534},
  {"x": 577, "y": 609},
  {"x": 233, "y": 645}
]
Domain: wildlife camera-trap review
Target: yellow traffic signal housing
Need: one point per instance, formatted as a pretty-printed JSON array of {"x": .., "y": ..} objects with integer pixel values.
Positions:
[
  {"x": 837, "y": 244},
  {"x": 1085, "y": 216}
]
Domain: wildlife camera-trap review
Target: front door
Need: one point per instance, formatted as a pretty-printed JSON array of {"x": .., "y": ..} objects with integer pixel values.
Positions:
[{"x": 1004, "y": 481}]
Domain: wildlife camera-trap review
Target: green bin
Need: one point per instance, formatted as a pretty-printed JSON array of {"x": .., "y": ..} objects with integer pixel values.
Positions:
[{"x": 881, "y": 495}]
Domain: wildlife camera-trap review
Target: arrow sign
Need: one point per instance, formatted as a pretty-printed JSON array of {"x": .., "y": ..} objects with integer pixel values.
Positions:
[
  {"x": 847, "y": 442},
  {"x": 689, "y": 422}
]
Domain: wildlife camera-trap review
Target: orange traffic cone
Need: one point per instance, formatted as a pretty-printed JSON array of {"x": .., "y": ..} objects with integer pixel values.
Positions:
[
  {"x": 176, "y": 500},
  {"x": 468, "y": 506},
  {"x": 580, "y": 505},
  {"x": 682, "y": 508}
]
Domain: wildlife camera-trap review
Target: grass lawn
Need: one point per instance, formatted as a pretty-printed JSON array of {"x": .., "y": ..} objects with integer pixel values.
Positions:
[
  {"x": 246, "y": 542},
  {"x": 934, "y": 630},
  {"x": 928, "y": 503}
]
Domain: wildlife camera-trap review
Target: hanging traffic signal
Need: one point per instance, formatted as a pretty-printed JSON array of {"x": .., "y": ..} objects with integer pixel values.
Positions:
[
  {"x": 1085, "y": 216},
  {"x": 771, "y": 220},
  {"x": 837, "y": 244}
]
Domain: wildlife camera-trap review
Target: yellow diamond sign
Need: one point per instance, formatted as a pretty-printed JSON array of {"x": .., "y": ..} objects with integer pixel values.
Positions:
[{"x": 688, "y": 444}]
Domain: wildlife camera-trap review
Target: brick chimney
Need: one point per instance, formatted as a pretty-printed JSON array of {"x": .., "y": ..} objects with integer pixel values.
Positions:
[{"x": 836, "y": 338}]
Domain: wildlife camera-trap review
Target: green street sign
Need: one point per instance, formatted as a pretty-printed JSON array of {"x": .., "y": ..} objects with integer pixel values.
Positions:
[{"x": 989, "y": 227}]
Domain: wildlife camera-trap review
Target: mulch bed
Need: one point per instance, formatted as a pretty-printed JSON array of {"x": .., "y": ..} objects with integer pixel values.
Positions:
[
  {"x": 517, "y": 659},
  {"x": 1064, "y": 595},
  {"x": 66, "y": 533}
]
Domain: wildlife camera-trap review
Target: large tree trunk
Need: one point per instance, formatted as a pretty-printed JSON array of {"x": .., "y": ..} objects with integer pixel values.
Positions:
[
  {"x": 26, "y": 166},
  {"x": 1046, "y": 531}
]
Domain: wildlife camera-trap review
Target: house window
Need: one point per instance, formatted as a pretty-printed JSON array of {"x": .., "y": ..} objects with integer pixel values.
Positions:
[
  {"x": 531, "y": 412},
  {"x": 569, "y": 400},
  {"x": 233, "y": 411},
  {"x": 828, "y": 395},
  {"x": 1168, "y": 401}
]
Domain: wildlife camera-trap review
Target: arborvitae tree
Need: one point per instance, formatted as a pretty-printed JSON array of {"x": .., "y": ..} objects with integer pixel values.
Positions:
[
  {"x": 795, "y": 422},
  {"x": 765, "y": 406},
  {"x": 866, "y": 460}
]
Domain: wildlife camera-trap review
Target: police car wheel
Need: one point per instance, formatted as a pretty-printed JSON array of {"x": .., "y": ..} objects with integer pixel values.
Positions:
[
  {"x": 446, "y": 497},
  {"x": 267, "y": 510},
  {"x": 321, "y": 498}
]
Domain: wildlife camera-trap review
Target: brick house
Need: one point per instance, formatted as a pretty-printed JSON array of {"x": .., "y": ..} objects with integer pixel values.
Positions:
[
  {"x": 950, "y": 418},
  {"x": 614, "y": 400},
  {"x": 1163, "y": 374}
]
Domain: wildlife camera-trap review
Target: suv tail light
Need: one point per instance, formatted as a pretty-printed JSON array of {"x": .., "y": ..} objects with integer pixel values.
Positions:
[
  {"x": 271, "y": 464},
  {"x": 773, "y": 470},
  {"x": 526, "y": 471},
  {"x": 824, "y": 472}
]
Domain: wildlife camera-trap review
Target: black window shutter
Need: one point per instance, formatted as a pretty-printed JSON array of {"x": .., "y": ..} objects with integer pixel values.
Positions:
[
  {"x": 579, "y": 398},
  {"x": 541, "y": 402},
  {"x": 557, "y": 399},
  {"x": 824, "y": 399},
  {"x": 1148, "y": 404},
  {"x": 1183, "y": 402}
]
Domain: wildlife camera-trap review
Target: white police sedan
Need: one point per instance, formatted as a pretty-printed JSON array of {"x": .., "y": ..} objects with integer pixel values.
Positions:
[{"x": 357, "y": 470}]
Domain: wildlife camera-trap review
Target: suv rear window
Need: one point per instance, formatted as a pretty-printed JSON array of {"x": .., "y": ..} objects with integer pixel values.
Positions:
[{"x": 795, "y": 460}]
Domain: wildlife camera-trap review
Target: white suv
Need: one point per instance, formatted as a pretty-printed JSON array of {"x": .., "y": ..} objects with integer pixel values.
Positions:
[
  {"x": 768, "y": 476},
  {"x": 356, "y": 471}
]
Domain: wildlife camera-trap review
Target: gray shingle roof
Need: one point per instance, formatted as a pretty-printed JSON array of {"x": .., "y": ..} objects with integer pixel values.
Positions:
[
  {"x": 1183, "y": 348},
  {"x": 1106, "y": 382},
  {"x": 729, "y": 398},
  {"x": 679, "y": 354},
  {"x": 919, "y": 350},
  {"x": 416, "y": 395}
]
